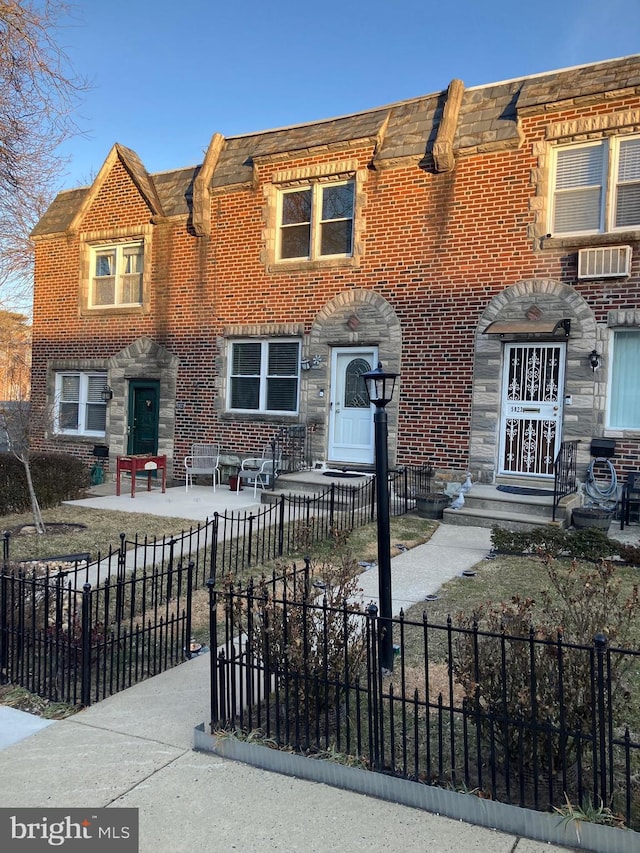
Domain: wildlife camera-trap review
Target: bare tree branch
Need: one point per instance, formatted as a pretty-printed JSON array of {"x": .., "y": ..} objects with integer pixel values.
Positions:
[{"x": 39, "y": 93}]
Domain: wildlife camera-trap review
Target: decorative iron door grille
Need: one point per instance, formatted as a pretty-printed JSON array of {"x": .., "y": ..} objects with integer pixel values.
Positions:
[{"x": 533, "y": 384}]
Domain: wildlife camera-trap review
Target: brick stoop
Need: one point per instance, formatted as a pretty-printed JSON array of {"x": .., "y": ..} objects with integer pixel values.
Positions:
[{"x": 485, "y": 506}]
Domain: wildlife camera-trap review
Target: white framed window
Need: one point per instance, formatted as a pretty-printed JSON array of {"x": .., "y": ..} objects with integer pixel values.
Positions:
[
  {"x": 316, "y": 221},
  {"x": 596, "y": 187},
  {"x": 624, "y": 402},
  {"x": 264, "y": 376},
  {"x": 79, "y": 407},
  {"x": 116, "y": 275}
]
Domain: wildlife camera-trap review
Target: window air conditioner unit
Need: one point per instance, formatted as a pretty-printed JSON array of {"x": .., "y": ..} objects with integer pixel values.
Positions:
[{"x": 604, "y": 262}]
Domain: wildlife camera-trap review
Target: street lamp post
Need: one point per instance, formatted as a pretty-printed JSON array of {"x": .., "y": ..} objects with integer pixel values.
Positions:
[{"x": 380, "y": 385}]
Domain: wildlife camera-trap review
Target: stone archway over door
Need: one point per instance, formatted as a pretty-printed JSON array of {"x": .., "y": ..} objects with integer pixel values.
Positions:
[
  {"x": 356, "y": 324},
  {"x": 523, "y": 375},
  {"x": 530, "y": 426},
  {"x": 143, "y": 361}
]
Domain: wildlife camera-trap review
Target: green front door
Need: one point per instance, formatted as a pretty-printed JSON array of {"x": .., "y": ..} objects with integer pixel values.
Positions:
[{"x": 144, "y": 400}]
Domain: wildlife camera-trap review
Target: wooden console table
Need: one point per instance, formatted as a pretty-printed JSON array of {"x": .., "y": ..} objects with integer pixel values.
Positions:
[{"x": 144, "y": 463}]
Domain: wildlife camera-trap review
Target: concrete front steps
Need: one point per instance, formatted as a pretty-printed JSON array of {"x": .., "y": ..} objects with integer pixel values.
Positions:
[
  {"x": 311, "y": 483},
  {"x": 485, "y": 506}
]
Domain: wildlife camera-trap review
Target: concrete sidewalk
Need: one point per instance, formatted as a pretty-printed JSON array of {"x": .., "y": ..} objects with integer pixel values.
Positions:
[{"x": 135, "y": 750}]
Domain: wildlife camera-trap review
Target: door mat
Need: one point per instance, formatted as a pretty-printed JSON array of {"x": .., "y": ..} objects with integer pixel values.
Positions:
[
  {"x": 523, "y": 490},
  {"x": 345, "y": 474}
]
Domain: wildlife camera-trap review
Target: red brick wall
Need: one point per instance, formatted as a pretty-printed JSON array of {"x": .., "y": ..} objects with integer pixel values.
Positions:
[{"x": 438, "y": 247}]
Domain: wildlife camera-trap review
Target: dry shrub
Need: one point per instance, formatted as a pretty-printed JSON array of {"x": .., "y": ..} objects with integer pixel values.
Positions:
[{"x": 414, "y": 679}]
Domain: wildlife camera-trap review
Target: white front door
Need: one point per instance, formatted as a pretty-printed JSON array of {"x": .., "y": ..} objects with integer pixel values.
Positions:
[
  {"x": 531, "y": 422},
  {"x": 351, "y": 436}
]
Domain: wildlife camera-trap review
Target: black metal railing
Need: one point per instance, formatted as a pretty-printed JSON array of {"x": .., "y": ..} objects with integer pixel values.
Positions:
[
  {"x": 236, "y": 542},
  {"x": 463, "y": 708},
  {"x": 565, "y": 480},
  {"x": 79, "y": 645},
  {"x": 49, "y": 655},
  {"x": 292, "y": 447}
]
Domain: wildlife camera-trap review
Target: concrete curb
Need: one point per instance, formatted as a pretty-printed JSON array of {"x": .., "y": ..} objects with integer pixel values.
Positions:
[{"x": 514, "y": 820}]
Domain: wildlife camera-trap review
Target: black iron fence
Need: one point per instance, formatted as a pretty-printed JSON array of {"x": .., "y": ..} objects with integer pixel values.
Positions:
[
  {"x": 80, "y": 633},
  {"x": 518, "y": 719},
  {"x": 79, "y": 645},
  {"x": 231, "y": 543}
]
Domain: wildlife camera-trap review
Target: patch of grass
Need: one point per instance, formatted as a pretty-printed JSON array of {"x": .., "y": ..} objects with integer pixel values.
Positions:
[
  {"x": 23, "y": 700},
  {"x": 499, "y": 580},
  {"x": 102, "y": 530},
  {"x": 405, "y": 530}
]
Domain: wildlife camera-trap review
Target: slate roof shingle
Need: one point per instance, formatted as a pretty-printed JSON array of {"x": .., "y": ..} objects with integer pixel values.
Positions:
[{"x": 488, "y": 116}]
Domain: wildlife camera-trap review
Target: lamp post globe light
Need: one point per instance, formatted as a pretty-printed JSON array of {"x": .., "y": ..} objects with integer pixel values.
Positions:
[{"x": 380, "y": 385}]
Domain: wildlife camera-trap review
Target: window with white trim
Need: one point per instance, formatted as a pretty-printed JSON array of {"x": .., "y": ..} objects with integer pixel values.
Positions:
[
  {"x": 264, "y": 376},
  {"x": 596, "y": 187},
  {"x": 116, "y": 275},
  {"x": 316, "y": 221},
  {"x": 79, "y": 407}
]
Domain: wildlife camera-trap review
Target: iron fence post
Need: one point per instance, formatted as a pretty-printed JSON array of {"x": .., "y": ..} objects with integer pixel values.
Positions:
[
  {"x": 405, "y": 489},
  {"x": 214, "y": 547},
  {"x": 4, "y": 675},
  {"x": 190, "y": 569},
  {"x": 600, "y": 644},
  {"x": 281, "y": 527},
  {"x": 332, "y": 505},
  {"x": 250, "y": 543},
  {"x": 122, "y": 564},
  {"x": 274, "y": 470},
  {"x": 213, "y": 655},
  {"x": 172, "y": 543},
  {"x": 5, "y": 547},
  {"x": 85, "y": 690},
  {"x": 374, "y": 686}
]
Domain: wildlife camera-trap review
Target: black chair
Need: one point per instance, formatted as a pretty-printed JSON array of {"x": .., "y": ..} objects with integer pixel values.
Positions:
[{"x": 630, "y": 497}]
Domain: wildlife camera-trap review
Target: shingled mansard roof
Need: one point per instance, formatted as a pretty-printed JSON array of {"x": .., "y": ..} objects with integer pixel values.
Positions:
[{"x": 429, "y": 130}]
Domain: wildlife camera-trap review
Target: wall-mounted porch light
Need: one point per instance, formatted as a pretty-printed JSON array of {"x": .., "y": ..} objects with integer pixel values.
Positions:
[
  {"x": 595, "y": 360},
  {"x": 107, "y": 394}
]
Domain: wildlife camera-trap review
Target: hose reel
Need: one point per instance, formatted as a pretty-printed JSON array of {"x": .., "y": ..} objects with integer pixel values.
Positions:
[{"x": 602, "y": 495}]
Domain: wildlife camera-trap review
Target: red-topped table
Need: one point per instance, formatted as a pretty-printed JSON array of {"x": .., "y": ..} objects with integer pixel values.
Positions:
[{"x": 143, "y": 463}]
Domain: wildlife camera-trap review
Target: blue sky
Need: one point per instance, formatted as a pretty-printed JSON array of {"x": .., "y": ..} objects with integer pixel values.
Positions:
[{"x": 165, "y": 76}]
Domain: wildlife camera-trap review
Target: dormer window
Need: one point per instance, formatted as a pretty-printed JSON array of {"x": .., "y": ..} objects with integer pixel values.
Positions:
[
  {"x": 316, "y": 222},
  {"x": 117, "y": 272}
]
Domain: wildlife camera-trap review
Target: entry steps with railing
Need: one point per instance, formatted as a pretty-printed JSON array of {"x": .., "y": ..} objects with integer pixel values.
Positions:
[{"x": 486, "y": 506}]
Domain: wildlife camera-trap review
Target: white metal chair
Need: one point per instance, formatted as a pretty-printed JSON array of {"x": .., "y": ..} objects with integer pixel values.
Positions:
[
  {"x": 204, "y": 460},
  {"x": 260, "y": 471}
]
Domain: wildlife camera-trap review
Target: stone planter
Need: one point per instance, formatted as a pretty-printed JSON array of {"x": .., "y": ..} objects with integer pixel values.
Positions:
[
  {"x": 591, "y": 517},
  {"x": 432, "y": 504}
]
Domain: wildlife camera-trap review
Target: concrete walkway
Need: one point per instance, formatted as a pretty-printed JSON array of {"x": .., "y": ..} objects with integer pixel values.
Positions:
[{"x": 135, "y": 750}]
